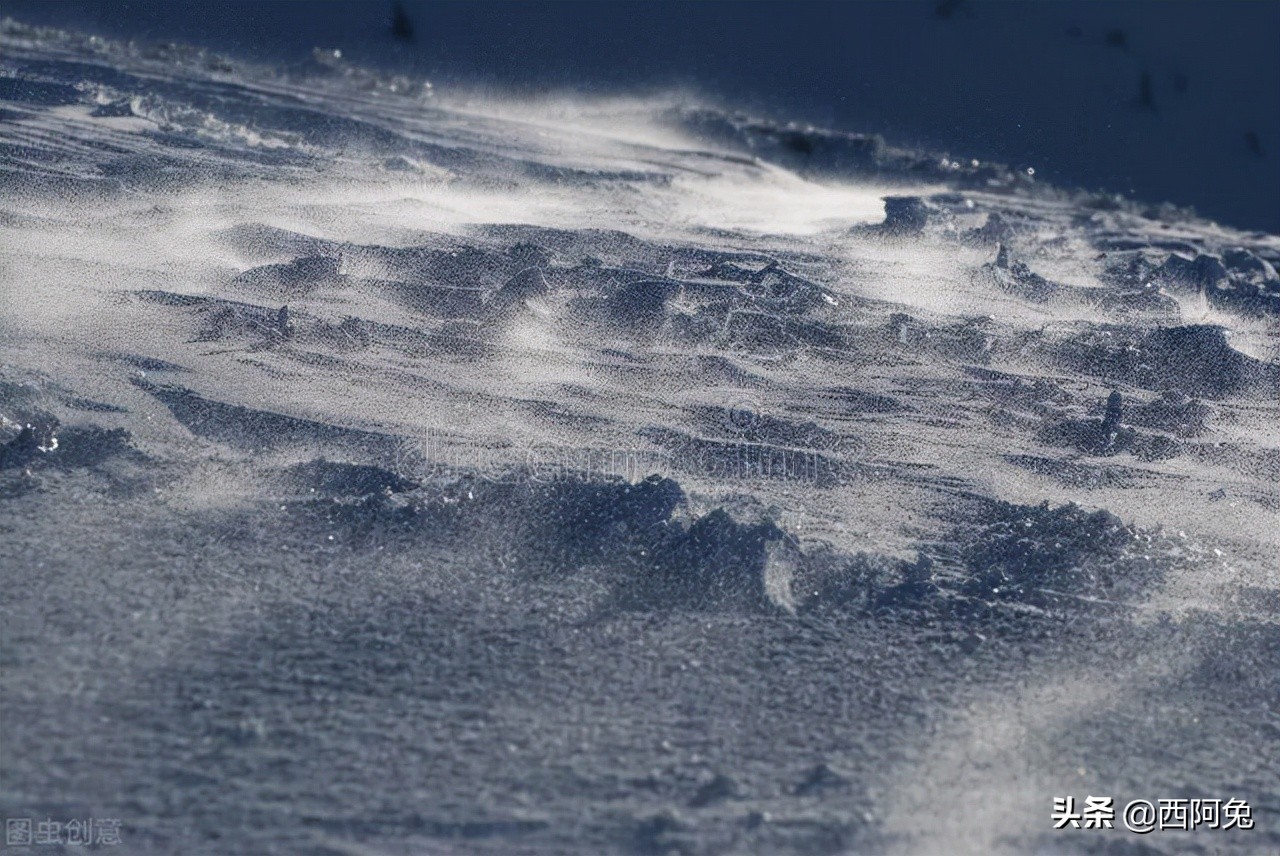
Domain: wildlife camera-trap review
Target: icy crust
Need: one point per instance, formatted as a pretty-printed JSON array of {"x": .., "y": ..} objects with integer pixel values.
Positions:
[{"x": 642, "y": 540}]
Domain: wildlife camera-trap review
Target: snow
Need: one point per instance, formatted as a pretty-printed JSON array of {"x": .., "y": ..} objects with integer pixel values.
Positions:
[{"x": 405, "y": 469}]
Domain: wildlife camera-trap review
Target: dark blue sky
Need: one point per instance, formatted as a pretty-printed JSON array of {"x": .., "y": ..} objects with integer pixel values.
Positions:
[{"x": 1054, "y": 85}]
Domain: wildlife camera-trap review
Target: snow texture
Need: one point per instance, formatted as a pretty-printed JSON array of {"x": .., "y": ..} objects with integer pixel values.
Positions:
[{"x": 395, "y": 471}]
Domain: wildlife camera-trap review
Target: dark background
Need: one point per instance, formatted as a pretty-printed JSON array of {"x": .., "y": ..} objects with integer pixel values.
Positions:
[{"x": 1057, "y": 86}]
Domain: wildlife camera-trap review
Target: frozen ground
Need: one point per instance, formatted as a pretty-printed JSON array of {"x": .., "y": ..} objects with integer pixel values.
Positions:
[{"x": 398, "y": 472}]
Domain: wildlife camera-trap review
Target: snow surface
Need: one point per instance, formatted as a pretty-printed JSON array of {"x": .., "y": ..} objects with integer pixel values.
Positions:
[{"x": 392, "y": 470}]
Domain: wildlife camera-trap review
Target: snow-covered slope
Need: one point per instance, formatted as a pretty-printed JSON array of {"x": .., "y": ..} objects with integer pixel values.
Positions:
[{"x": 399, "y": 471}]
